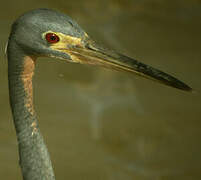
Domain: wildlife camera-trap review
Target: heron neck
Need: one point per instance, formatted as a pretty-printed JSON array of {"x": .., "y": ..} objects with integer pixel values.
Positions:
[
  {"x": 21, "y": 95},
  {"x": 34, "y": 157}
]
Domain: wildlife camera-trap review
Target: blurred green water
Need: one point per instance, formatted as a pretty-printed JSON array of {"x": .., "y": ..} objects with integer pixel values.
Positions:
[{"x": 106, "y": 125}]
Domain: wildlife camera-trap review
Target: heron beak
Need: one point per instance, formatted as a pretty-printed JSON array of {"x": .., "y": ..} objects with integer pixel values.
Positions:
[{"x": 91, "y": 53}]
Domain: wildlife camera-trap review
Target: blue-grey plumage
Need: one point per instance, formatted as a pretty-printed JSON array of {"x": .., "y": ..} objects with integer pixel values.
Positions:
[{"x": 45, "y": 32}]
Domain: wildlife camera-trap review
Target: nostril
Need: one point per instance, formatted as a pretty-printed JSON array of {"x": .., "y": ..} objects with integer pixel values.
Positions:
[{"x": 71, "y": 23}]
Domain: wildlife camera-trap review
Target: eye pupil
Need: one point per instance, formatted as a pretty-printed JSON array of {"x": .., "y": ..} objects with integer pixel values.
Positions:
[{"x": 52, "y": 38}]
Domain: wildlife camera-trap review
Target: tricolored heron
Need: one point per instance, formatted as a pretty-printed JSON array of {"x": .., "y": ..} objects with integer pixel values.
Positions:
[{"x": 45, "y": 32}]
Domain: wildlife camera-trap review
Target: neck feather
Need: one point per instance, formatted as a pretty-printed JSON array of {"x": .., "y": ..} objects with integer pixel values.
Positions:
[{"x": 34, "y": 157}]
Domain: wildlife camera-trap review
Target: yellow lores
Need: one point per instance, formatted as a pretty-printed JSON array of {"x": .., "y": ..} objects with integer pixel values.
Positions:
[{"x": 65, "y": 43}]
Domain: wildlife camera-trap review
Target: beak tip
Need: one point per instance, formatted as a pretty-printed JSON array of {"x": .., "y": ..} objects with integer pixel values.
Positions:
[{"x": 187, "y": 88}]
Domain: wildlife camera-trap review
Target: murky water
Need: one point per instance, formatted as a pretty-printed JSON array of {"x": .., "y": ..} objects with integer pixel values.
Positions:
[{"x": 100, "y": 124}]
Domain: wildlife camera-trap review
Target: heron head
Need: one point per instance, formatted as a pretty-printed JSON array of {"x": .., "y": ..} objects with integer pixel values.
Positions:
[{"x": 45, "y": 32}]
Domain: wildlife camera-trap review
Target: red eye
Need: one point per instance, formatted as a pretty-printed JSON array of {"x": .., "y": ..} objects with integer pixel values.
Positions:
[{"x": 52, "y": 38}]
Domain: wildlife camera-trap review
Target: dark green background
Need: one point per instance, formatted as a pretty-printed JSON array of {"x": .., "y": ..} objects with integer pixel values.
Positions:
[{"x": 104, "y": 125}]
